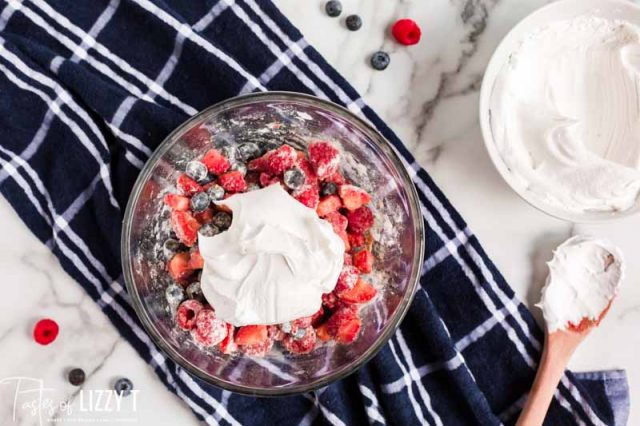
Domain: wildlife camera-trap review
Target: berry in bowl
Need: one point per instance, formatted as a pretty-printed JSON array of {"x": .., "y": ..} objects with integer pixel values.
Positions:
[{"x": 272, "y": 244}]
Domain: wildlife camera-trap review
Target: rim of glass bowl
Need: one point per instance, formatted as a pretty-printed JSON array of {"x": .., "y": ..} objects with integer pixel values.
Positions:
[{"x": 381, "y": 143}]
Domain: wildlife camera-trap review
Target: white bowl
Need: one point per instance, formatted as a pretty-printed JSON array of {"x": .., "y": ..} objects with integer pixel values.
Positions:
[{"x": 557, "y": 11}]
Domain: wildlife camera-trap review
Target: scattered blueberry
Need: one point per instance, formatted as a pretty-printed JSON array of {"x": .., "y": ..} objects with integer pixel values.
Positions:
[
  {"x": 286, "y": 327},
  {"x": 196, "y": 171},
  {"x": 76, "y": 376},
  {"x": 268, "y": 146},
  {"x": 229, "y": 152},
  {"x": 294, "y": 178},
  {"x": 241, "y": 167},
  {"x": 248, "y": 151},
  {"x": 328, "y": 188},
  {"x": 300, "y": 333},
  {"x": 209, "y": 230},
  {"x": 333, "y": 8},
  {"x": 174, "y": 295},
  {"x": 222, "y": 220},
  {"x": 353, "y": 22},
  {"x": 380, "y": 60},
  {"x": 172, "y": 246},
  {"x": 215, "y": 192},
  {"x": 123, "y": 386},
  {"x": 200, "y": 202},
  {"x": 194, "y": 291}
]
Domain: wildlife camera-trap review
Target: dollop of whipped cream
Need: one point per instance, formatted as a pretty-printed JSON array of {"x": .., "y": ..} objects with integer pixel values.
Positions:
[
  {"x": 273, "y": 264},
  {"x": 584, "y": 277},
  {"x": 565, "y": 114}
]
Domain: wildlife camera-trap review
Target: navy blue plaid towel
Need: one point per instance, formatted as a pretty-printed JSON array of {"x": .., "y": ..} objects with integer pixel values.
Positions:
[{"x": 90, "y": 88}]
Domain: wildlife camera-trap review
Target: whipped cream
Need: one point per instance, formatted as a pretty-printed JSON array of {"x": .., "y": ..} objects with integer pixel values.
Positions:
[
  {"x": 584, "y": 276},
  {"x": 565, "y": 115},
  {"x": 273, "y": 264}
]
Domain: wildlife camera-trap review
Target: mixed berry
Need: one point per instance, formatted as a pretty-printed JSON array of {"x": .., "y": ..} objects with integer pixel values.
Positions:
[{"x": 314, "y": 178}]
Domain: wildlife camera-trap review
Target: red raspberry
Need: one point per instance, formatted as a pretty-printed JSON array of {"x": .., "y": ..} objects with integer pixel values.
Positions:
[
  {"x": 360, "y": 219},
  {"x": 356, "y": 239},
  {"x": 363, "y": 260},
  {"x": 45, "y": 331},
  {"x": 216, "y": 162},
  {"x": 347, "y": 279},
  {"x": 209, "y": 330},
  {"x": 281, "y": 159},
  {"x": 185, "y": 226},
  {"x": 267, "y": 179},
  {"x": 325, "y": 158},
  {"x": 233, "y": 181},
  {"x": 187, "y": 312},
  {"x": 188, "y": 186},
  {"x": 303, "y": 345},
  {"x": 308, "y": 195},
  {"x": 406, "y": 32}
]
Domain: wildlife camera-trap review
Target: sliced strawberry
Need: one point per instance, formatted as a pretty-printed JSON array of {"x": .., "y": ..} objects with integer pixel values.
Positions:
[
  {"x": 251, "y": 334},
  {"x": 216, "y": 162},
  {"x": 360, "y": 219},
  {"x": 205, "y": 216},
  {"x": 196, "y": 261},
  {"x": 197, "y": 137},
  {"x": 338, "y": 221},
  {"x": 353, "y": 197},
  {"x": 178, "y": 267},
  {"x": 281, "y": 159},
  {"x": 362, "y": 292},
  {"x": 233, "y": 181},
  {"x": 309, "y": 196},
  {"x": 363, "y": 260},
  {"x": 303, "y": 345},
  {"x": 328, "y": 205},
  {"x": 188, "y": 186},
  {"x": 208, "y": 330},
  {"x": 185, "y": 226},
  {"x": 356, "y": 239},
  {"x": 228, "y": 344},
  {"x": 177, "y": 202},
  {"x": 187, "y": 312},
  {"x": 347, "y": 279},
  {"x": 344, "y": 325},
  {"x": 322, "y": 332},
  {"x": 324, "y": 157}
]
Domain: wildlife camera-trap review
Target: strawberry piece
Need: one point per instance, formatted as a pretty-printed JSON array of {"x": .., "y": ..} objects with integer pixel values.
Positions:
[
  {"x": 188, "y": 186},
  {"x": 362, "y": 292},
  {"x": 345, "y": 240},
  {"x": 406, "y": 32},
  {"x": 303, "y": 345},
  {"x": 275, "y": 333},
  {"x": 353, "y": 197},
  {"x": 328, "y": 205},
  {"x": 348, "y": 259},
  {"x": 336, "y": 178},
  {"x": 228, "y": 344},
  {"x": 258, "y": 349},
  {"x": 205, "y": 216},
  {"x": 177, "y": 202},
  {"x": 309, "y": 196},
  {"x": 178, "y": 267},
  {"x": 45, "y": 331},
  {"x": 185, "y": 226},
  {"x": 330, "y": 300},
  {"x": 233, "y": 181},
  {"x": 196, "y": 137},
  {"x": 196, "y": 261},
  {"x": 363, "y": 260},
  {"x": 267, "y": 179},
  {"x": 251, "y": 334},
  {"x": 208, "y": 330},
  {"x": 324, "y": 157},
  {"x": 356, "y": 239},
  {"x": 216, "y": 163},
  {"x": 322, "y": 333},
  {"x": 258, "y": 164},
  {"x": 338, "y": 221},
  {"x": 344, "y": 325},
  {"x": 346, "y": 280},
  {"x": 187, "y": 312},
  {"x": 281, "y": 159},
  {"x": 360, "y": 219}
]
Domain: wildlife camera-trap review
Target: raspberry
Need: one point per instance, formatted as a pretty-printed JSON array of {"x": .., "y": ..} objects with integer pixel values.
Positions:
[
  {"x": 347, "y": 279},
  {"x": 209, "y": 330},
  {"x": 308, "y": 195},
  {"x": 310, "y": 177},
  {"x": 188, "y": 186},
  {"x": 324, "y": 157},
  {"x": 187, "y": 313},
  {"x": 233, "y": 181},
  {"x": 303, "y": 345},
  {"x": 406, "y": 32},
  {"x": 45, "y": 331},
  {"x": 216, "y": 162},
  {"x": 356, "y": 239},
  {"x": 267, "y": 179},
  {"x": 360, "y": 220},
  {"x": 281, "y": 159}
]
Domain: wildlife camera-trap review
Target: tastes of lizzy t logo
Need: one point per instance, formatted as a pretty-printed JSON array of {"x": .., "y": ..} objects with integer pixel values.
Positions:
[{"x": 31, "y": 398}]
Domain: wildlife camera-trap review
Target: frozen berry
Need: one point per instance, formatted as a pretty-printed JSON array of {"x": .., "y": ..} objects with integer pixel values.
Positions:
[
  {"x": 200, "y": 202},
  {"x": 229, "y": 152},
  {"x": 45, "y": 331},
  {"x": 294, "y": 178},
  {"x": 328, "y": 188},
  {"x": 216, "y": 162},
  {"x": 344, "y": 325},
  {"x": 347, "y": 279},
  {"x": 187, "y": 186},
  {"x": 353, "y": 22},
  {"x": 356, "y": 239},
  {"x": 286, "y": 327},
  {"x": 328, "y": 205},
  {"x": 380, "y": 60},
  {"x": 248, "y": 151},
  {"x": 233, "y": 181},
  {"x": 324, "y": 157},
  {"x": 353, "y": 197},
  {"x": 209, "y": 330},
  {"x": 252, "y": 334},
  {"x": 299, "y": 333},
  {"x": 279, "y": 160},
  {"x": 197, "y": 136},
  {"x": 204, "y": 216},
  {"x": 303, "y": 344},
  {"x": 228, "y": 344},
  {"x": 172, "y": 246},
  {"x": 174, "y": 295},
  {"x": 215, "y": 192},
  {"x": 333, "y": 8},
  {"x": 194, "y": 291},
  {"x": 187, "y": 312},
  {"x": 185, "y": 226},
  {"x": 177, "y": 202},
  {"x": 308, "y": 195},
  {"x": 266, "y": 146},
  {"x": 196, "y": 171},
  {"x": 360, "y": 219},
  {"x": 123, "y": 386},
  {"x": 258, "y": 349},
  {"x": 209, "y": 230},
  {"x": 76, "y": 376},
  {"x": 240, "y": 167},
  {"x": 406, "y": 32},
  {"x": 222, "y": 220},
  {"x": 362, "y": 292},
  {"x": 178, "y": 267}
]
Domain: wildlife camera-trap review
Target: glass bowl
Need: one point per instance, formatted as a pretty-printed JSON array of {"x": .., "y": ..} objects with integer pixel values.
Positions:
[{"x": 367, "y": 159}]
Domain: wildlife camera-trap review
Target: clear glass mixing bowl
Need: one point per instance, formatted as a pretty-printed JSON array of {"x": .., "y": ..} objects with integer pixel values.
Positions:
[{"x": 368, "y": 160}]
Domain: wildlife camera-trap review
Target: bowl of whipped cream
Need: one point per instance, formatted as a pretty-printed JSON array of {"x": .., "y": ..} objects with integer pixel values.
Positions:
[{"x": 560, "y": 109}]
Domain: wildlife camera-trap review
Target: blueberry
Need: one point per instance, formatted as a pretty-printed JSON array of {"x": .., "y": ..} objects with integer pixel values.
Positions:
[
  {"x": 300, "y": 333},
  {"x": 353, "y": 22},
  {"x": 380, "y": 60},
  {"x": 215, "y": 192},
  {"x": 286, "y": 327},
  {"x": 196, "y": 171},
  {"x": 76, "y": 376},
  {"x": 241, "y": 167},
  {"x": 248, "y": 151},
  {"x": 222, "y": 220},
  {"x": 172, "y": 246},
  {"x": 123, "y": 386},
  {"x": 229, "y": 152},
  {"x": 209, "y": 230},
  {"x": 268, "y": 146},
  {"x": 333, "y": 8},
  {"x": 194, "y": 291},
  {"x": 200, "y": 202},
  {"x": 174, "y": 295},
  {"x": 328, "y": 188},
  {"x": 294, "y": 178}
]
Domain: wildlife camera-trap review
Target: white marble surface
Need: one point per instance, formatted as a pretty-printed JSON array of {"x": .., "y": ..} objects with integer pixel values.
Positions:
[{"x": 429, "y": 96}]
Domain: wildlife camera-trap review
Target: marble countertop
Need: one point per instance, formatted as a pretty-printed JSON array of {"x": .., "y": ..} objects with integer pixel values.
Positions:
[{"x": 429, "y": 96}]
